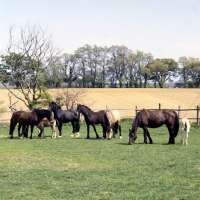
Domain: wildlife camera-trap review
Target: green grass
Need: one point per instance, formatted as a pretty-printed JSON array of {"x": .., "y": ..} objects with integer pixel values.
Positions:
[{"x": 79, "y": 168}]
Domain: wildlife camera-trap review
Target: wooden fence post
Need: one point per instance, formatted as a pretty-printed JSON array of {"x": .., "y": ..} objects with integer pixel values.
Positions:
[
  {"x": 197, "y": 114},
  {"x": 179, "y": 109},
  {"x": 135, "y": 110}
]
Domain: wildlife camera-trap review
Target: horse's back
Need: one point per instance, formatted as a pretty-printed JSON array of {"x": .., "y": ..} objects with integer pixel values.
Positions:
[
  {"x": 115, "y": 115},
  {"x": 157, "y": 118}
]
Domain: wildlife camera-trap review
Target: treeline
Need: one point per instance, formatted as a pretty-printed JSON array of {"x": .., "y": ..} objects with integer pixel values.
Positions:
[{"x": 118, "y": 66}]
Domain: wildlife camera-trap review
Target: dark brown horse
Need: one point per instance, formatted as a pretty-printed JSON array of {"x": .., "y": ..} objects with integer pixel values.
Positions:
[
  {"x": 155, "y": 119},
  {"x": 32, "y": 118},
  {"x": 92, "y": 118}
]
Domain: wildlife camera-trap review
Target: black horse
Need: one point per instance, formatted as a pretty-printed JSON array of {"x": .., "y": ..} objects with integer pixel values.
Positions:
[
  {"x": 32, "y": 118},
  {"x": 92, "y": 118},
  {"x": 65, "y": 116},
  {"x": 155, "y": 119}
]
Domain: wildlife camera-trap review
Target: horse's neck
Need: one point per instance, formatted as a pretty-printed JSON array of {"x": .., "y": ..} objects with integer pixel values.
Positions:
[{"x": 87, "y": 113}]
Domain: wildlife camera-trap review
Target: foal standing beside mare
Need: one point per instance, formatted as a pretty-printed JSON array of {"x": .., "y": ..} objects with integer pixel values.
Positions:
[
  {"x": 92, "y": 118},
  {"x": 185, "y": 129},
  {"x": 65, "y": 116},
  {"x": 32, "y": 118},
  {"x": 154, "y": 119}
]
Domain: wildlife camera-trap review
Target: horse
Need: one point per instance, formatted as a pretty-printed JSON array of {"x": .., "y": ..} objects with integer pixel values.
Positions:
[
  {"x": 113, "y": 123},
  {"x": 32, "y": 118},
  {"x": 92, "y": 118},
  {"x": 185, "y": 129},
  {"x": 154, "y": 119},
  {"x": 66, "y": 116},
  {"x": 45, "y": 123}
]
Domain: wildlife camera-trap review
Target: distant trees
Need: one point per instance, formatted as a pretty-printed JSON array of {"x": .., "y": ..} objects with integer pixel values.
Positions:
[{"x": 33, "y": 63}]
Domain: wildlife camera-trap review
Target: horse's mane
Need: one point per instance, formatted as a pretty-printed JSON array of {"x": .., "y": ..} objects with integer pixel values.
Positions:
[
  {"x": 136, "y": 120},
  {"x": 86, "y": 107},
  {"x": 108, "y": 117}
]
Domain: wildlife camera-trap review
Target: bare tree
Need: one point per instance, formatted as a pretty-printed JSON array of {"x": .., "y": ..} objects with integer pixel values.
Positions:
[{"x": 25, "y": 61}]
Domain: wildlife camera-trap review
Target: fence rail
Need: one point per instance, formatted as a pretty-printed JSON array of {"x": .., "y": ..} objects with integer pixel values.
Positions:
[{"x": 191, "y": 114}]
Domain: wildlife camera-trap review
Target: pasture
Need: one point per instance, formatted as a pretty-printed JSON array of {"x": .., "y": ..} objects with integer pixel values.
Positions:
[{"x": 80, "y": 168}]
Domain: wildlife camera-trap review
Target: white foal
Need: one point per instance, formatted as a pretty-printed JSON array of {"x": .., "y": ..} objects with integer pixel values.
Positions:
[{"x": 185, "y": 129}]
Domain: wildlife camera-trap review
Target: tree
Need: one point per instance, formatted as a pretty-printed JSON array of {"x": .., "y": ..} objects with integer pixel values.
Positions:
[
  {"x": 163, "y": 70},
  {"x": 25, "y": 61}
]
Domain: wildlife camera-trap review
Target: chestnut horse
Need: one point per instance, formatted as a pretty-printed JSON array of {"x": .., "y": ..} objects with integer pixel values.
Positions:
[
  {"x": 154, "y": 119},
  {"x": 31, "y": 118}
]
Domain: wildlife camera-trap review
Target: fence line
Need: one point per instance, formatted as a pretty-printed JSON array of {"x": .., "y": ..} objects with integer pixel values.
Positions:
[{"x": 5, "y": 117}]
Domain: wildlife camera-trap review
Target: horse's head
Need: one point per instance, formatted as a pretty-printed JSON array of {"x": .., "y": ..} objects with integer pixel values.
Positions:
[
  {"x": 109, "y": 132},
  {"x": 132, "y": 137},
  {"x": 79, "y": 108},
  {"x": 53, "y": 106}
]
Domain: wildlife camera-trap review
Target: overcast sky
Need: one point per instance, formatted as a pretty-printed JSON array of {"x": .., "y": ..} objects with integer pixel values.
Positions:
[{"x": 165, "y": 28}]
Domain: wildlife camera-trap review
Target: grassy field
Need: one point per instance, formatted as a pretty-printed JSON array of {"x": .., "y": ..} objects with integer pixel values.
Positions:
[
  {"x": 79, "y": 168},
  {"x": 126, "y": 99}
]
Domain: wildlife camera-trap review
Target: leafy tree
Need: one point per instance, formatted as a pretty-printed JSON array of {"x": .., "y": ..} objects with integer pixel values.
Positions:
[
  {"x": 25, "y": 61},
  {"x": 163, "y": 70}
]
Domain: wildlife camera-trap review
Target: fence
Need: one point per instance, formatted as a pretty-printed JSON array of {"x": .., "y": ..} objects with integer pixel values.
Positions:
[{"x": 191, "y": 114}]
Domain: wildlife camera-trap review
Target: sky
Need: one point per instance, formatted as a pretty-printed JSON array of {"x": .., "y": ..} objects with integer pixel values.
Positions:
[{"x": 164, "y": 28}]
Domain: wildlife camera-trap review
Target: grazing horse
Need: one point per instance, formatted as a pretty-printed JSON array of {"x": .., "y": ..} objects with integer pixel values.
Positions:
[
  {"x": 32, "y": 118},
  {"x": 113, "y": 123},
  {"x": 65, "y": 116},
  {"x": 185, "y": 129},
  {"x": 92, "y": 118},
  {"x": 155, "y": 119},
  {"x": 45, "y": 123}
]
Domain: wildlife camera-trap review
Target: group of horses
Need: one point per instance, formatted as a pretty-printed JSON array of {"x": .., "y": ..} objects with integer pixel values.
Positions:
[
  {"x": 55, "y": 115},
  {"x": 108, "y": 119}
]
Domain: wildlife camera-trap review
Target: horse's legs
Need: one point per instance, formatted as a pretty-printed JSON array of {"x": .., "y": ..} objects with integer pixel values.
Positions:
[
  {"x": 73, "y": 128},
  {"x": 60, "y": 129},
  {"x": 120, "y": 133},
  {"x": 171, "y": 137},
  {"x": 186, "y": 138},
  {"x": 145, "y": 134},
  {"x": 41, "y": 128},
  {"x": 150, "y": 139},
  {"x": 182, "y": 135},
  {"x": 19, "y": 127},
  {"x": 88, "y": 131},
  {"x": 32, "y": 126},
  {"x": 12, "y": 128},
  {"x": 97, "y": 136}
]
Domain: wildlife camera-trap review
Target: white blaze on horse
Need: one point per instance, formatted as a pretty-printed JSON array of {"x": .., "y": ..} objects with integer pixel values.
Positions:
[
  {"x": 113, "y": 123},
  {"x": 185, "y": 129}
]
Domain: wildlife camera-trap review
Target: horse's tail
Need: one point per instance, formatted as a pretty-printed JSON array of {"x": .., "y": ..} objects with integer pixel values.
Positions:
[
  {"x": 176, "y": 124},
  {"x": 11, "y": 126}
]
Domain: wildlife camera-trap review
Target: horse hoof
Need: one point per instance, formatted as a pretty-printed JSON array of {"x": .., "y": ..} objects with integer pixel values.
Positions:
[
  {"x": 60, "y": 136},
  {"x": 72, "y": 135},
  {"x": 78, "y": 135},
  {"x": 120, "y": 137}
]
